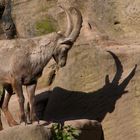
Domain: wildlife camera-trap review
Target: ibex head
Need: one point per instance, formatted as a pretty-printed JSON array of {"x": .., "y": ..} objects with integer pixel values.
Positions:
[{"x": 66, "y": 41}]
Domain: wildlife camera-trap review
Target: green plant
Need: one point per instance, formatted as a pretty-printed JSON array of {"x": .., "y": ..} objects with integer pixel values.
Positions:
[
  {"x": 60, "y": 132},
  {"x": 1, "y": 92},
  {"x": 45, "y": 26}
]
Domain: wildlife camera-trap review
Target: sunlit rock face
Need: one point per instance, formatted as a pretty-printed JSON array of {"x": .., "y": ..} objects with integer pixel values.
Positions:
[
  {"x": 118, "y": 19},
  {"x": 79, "y": 89}
]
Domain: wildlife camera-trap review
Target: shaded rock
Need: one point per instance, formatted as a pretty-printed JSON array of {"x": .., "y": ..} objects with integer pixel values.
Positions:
[
  {"x": 90, "y": 129},
  {"x": 79, "y": 90}
]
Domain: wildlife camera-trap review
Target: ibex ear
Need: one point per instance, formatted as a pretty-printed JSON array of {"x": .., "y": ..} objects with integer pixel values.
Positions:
[{"x": 67, "y": 41}]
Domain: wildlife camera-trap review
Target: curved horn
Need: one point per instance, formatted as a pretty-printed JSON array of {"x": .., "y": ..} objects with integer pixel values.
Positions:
[
  {"x": 76, "y": 31},
  {"x": 69, "y": 21}
]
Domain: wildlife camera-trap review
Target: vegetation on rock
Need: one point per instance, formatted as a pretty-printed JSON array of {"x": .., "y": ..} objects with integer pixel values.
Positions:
[
  {"x": 60, "y": 132},
  {"x": 45, "y": 26}
]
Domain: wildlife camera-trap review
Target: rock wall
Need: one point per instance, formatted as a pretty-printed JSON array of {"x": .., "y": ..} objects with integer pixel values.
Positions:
[
  {"x": 117, "y": 19},
  {"x": 81, "y": 89}
]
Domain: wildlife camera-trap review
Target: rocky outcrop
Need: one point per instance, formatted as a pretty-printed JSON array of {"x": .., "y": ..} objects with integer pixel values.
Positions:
[
  {"x": 25, "y": 132},
  {"x": 101, "y": 18},
  {"x": 89, "y": 129},
  {"x": 79, "y": 89}
]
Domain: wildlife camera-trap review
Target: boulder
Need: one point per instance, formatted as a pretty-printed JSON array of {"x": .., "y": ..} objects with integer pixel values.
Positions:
[
  {"x": 33, "y": 132},
  {"x": 90, "y": 130}
]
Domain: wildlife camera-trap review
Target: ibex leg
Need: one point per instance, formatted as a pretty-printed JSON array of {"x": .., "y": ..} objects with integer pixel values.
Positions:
[
  {"x": 31, "y": 96},
  {"x": 0, "y": 123},
  {"x": 6, "y": 111},
  {"x": 17, "y": 87}
]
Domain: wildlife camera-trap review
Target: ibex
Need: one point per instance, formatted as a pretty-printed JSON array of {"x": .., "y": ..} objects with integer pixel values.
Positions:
[{"x": 23, "y": 60}]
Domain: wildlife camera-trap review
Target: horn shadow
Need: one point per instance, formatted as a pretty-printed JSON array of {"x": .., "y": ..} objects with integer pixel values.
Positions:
[{"x": 61, "y": 104}]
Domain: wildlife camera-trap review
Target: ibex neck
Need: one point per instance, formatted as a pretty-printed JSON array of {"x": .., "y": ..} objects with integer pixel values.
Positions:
[{"x": 43, "y": 52}]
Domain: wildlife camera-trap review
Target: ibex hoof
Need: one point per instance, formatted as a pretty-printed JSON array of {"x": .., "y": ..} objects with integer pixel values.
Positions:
[
  {"x": 23, "y": 119},
  {"x": 13, "y": 123},
  {"x": 33, "y": 119},
  {"x": 1, "y": 128}
]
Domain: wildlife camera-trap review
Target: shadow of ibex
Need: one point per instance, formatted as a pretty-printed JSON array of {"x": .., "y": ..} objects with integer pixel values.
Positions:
[{"x": 61, "y": 104}]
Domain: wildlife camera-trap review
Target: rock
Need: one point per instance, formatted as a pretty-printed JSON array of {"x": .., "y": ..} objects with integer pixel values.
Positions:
[
  {"x": 32, "y": 132},
  {"x": 101, "y": 18},
  {"x": 89, "y": 129},
  {"x": 79, "y": 89}
]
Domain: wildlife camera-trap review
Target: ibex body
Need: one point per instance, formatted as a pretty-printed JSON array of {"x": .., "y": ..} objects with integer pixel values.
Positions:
[{"x": 23, "y": 60}]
